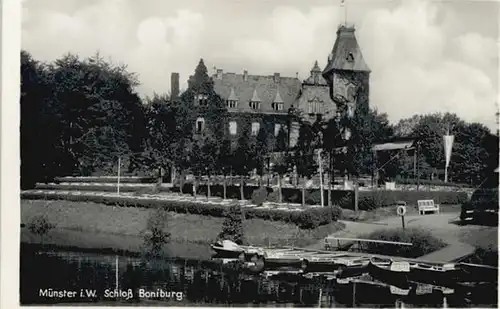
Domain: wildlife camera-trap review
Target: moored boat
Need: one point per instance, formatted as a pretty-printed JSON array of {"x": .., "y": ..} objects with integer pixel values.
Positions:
[
  {"x": 477, "y": 273},
  {"x": 438, "y": 275},
  {"x": 390, "y": 272},
  {"x": 228, "y": 249}
]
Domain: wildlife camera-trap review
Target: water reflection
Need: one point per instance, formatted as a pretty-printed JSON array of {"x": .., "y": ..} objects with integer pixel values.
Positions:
[{"x": 190, "y": 282}]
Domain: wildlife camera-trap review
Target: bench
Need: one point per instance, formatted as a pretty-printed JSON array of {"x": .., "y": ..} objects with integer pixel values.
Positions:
[{"x": 427, "y": 205}]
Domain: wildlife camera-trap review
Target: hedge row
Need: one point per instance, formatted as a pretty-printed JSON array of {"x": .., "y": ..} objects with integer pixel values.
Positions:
[
  {"x": 368, "y": 200},
  {"x": 113, "y": 179},
  {"x": 436, "y": 182},
  {"x": 307, "y": 219}
]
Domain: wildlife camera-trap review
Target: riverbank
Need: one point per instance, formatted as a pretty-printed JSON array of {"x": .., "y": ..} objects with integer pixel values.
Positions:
[{"x": 91, "y": 225}]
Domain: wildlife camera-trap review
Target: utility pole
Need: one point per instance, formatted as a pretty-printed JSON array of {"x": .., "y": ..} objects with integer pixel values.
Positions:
[
  {"x": 118, "y": 184},
  {"x": 321, "y": 178}
]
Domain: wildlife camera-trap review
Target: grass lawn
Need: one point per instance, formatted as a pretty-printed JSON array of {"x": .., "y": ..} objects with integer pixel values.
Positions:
[{"x": 91, "y": 225}]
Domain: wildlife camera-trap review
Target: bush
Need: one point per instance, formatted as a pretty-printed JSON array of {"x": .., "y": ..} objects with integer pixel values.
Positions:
[
  {"x": 40, "y": 225},
  {"x": 423, "y": 242},
  {"x": 336, "y": 213},
  {"x": 259, "y": 196},
  {"x": 274, "y": 197},
  {"x": 232, "y": 227},
  {"x": 155, "y": 237},
  {"x": 313, "y": 198}
]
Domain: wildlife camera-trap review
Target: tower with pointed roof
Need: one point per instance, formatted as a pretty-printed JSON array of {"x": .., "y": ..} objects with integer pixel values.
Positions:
[{"x": 347, "y": 73}]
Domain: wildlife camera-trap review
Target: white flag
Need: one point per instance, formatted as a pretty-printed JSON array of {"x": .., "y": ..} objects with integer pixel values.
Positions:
[{"x": 448, "y": 145}]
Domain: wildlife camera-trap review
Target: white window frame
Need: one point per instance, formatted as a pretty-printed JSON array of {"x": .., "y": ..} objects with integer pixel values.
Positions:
[
  {"x": 233, "y": 128},
  {"x": 254, "y": 105},
  {"x": 232, "y": 103},
  {"x": 202, "y": 121},
  {"x": 255, "y": 128},
  {"x": 277, "y": 128}
]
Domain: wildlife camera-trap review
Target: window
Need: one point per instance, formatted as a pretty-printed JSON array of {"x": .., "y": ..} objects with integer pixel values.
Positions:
[
  {"x": 233, "y": 127},
  {"x": 315, "y": 107},
  {"x": 277, "y": 106},
  {"x": 254, "y": 105},
  {"x": 347, "y": 134},
  {"x": 350, "y": 110},
  {"x": 200, "y": 125},
  {"x": 232, "y": 103},
  {"x": 277, "y": 128},
  {"x": 255, "y": 128},
  {"x": 202, "y": 99},
  {"x": 350, "y": 57}
]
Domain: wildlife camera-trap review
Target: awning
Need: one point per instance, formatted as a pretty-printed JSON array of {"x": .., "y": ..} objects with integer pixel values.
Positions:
[{"x": 393, "y": 146}]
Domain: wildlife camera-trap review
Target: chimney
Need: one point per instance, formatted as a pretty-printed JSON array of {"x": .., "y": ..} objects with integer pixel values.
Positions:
[
  {"x": 219, "y": 73},
  {"x": 174, "y": 85},
  {"x": 277, "y": 77},
  {"x": 245, "y": 75}
]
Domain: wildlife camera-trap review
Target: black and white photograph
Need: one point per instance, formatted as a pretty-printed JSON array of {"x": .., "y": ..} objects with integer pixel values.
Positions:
[{"x": 257, "y": 153}]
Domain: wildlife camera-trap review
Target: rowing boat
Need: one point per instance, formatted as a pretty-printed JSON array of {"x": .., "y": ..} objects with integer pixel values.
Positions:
[{"x": 390, "y": 272}]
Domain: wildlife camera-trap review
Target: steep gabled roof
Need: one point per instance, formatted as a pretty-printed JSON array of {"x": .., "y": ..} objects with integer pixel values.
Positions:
[
  {"x": 316, "y": 78},
  {"x": 232, "y": 96},
  {"x": 255, "y": 97},
  {"x": 265, "y": 87},
  {"x": 346, "y": 53},
  {"x": 278, "y": 98}
]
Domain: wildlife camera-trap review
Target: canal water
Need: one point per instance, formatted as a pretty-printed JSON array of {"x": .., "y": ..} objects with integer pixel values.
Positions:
[{"x": 64, "y": 277}]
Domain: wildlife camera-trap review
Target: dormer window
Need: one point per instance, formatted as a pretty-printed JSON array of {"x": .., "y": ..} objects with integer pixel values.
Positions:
[
  {"x": 278, "y": 106},
  {"x": 350, "y": 57},
  {"x": 202, "y": 99},
  {"x": 254, "y": 105},
  {"x": 232, "y": 104}
]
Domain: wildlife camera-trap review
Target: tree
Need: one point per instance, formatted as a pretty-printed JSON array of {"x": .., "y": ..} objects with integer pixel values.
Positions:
[
  {"x": 332, "y": 142},
  {"x": 224, "y": 162},
  {"x": 281, "y": 166},
  {"x": 261, "y": 151},
  {"x": 281, "y": 140},
  {"x": 39, "y": 140},
  {"x": 304, "y": 158},
  {"x": 161, "y": 137},
  {"x": 243, "y": 161},
  {"x": 88, "y": 114},
  {"x": 232, "y": 227}
]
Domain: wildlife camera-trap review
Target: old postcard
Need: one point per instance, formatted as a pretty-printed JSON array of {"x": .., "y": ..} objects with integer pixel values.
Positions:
[{"x": 258, "y": 153}]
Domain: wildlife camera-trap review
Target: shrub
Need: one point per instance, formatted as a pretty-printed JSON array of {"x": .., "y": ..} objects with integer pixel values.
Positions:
[
  {"x": 313, "y": 198},
  {"x": 232, "y": 227},
  {"x": 40, "y": 225},
  {"x": 336, "y": 213},
  {"x": 155, "y": 237},
  {"x": 273, "y": 197},
  {"x": 423, "y": 242},
  {"x": 259, "y": 196}
]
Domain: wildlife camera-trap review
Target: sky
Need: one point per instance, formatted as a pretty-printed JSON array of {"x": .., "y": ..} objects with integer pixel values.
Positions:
[{"x": 425, "y": 56}]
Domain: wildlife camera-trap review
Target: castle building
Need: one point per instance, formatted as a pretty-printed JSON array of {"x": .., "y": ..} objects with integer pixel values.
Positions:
[{"x": 274, "y": 102}]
